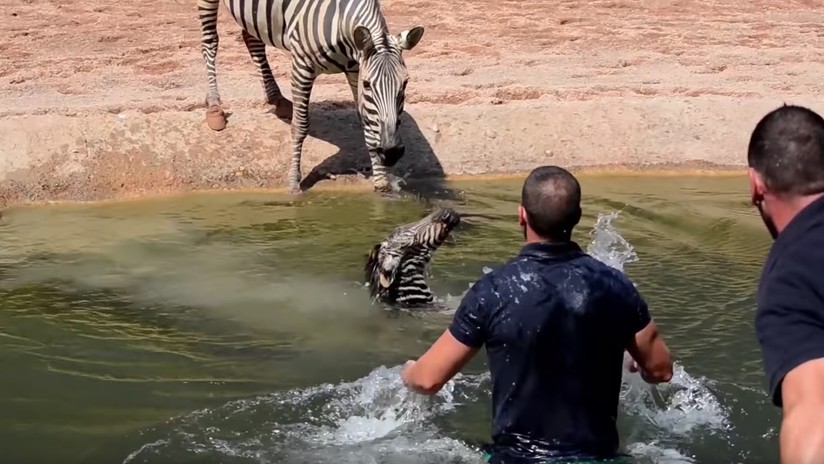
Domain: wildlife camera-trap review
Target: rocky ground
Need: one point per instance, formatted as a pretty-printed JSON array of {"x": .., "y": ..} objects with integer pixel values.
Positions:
[{"x": 102, "y": 100}]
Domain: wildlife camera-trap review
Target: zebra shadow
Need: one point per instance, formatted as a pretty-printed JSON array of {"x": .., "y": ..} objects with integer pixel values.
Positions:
[{"x": 337, "y": 123}]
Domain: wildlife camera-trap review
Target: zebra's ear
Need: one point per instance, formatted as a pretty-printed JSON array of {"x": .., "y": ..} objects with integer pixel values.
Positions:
[
  {"x": 363, "y": 39},
  {"x": 408, "y": 39}
]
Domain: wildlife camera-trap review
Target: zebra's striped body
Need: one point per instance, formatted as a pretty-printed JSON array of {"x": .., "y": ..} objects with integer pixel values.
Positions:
[
  {"x": 323, "y": 37},
  {"x": 396, "y": 268}
]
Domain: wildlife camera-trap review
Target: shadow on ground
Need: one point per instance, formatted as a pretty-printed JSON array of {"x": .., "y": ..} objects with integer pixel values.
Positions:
[{"x": 338, "y": 124}]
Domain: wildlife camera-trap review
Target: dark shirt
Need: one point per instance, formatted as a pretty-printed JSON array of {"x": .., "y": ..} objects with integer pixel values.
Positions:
[
  {"x": 555, "y": 322},
  {"x": 789, "y": 321}
]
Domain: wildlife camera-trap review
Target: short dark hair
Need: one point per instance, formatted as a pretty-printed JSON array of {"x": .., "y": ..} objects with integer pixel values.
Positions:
[
  {"x": 551, "y": 197},
  {"x": 787, "y": 149}
]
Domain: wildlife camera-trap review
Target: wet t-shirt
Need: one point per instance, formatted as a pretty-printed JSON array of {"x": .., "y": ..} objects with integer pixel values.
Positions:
[
  {"x": 789, "y": 321},
  {"x": 555, "y": 323}
]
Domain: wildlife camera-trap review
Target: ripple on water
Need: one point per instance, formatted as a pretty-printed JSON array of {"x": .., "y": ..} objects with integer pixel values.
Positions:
[
  {"x": 376, "y": 419},
  {"x": 130, "y": 314}
]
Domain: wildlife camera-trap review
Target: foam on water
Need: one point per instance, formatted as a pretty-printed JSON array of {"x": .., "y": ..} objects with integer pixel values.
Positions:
[
  {"x": 683, "y": 405},
  {"x": 376, "y": 419},
  {"x": 372, "y": 419}
]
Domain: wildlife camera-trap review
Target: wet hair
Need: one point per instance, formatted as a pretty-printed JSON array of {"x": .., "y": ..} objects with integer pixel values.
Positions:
[
  {"x": 787, "y": 150},
  {"x": 551, "y": 197}
]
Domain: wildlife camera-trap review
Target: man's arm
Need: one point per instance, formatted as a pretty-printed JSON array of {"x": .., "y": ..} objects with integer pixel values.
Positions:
[
  {"x": 802, "y": 427},
  {"x": 450, "y": 353},
  {"x": 790, "y": 328},
  {"x": 646, "y": 346},
  {"x": 651, "y": 355},
  {"x": 445, "y": 358}
]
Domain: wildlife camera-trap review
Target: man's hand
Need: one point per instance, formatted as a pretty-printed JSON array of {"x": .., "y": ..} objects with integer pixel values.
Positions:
[
  {"x": 406, "y": 373},
  {"x": 437, "y": 366},
  {"x": 408, "y": 364},
  {"x": 632, "y": 366}
]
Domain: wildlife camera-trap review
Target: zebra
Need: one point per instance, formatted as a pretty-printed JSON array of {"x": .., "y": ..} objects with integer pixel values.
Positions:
[
  {"x": 323, "y": 37},
  {"x": 395, "y": 269}
]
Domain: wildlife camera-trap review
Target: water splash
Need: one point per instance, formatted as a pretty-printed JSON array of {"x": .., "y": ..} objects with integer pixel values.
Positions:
[
  {"x": 372, "y": 419},
  {"x": 656, "y": 453},
  {"x": 680, "y": 407},
  {"x": 609, "y": 246}
]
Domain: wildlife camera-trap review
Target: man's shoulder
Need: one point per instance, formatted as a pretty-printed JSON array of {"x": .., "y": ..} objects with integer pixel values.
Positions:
[
  {"x": 793, "y": 278},
  {"x": 494, "y": 275},
  {"x": 501, "y": 276},
  {"x": 802, "y": 241},
  {"x": 596, "y": 272},
  {"x": 583, "y": 262},
  {"x": 604, "y": 272},
  {"x": 802, "y": 258}
]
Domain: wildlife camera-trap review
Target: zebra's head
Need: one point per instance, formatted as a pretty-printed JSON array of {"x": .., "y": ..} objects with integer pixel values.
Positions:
[
  {"x": 396, "y": 268},
  {"x": 382, "y": 80}
]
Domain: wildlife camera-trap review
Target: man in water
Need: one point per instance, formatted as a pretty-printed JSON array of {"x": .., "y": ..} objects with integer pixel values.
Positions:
[
  {"x": 556, "y": 323},
  {"x": 786, "y": 170}
]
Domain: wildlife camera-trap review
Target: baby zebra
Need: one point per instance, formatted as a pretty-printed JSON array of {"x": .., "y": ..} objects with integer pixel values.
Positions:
[{"x": 396, "y": 268}]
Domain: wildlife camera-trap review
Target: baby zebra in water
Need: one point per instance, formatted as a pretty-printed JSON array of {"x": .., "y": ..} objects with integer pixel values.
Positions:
[{"x": 395, "y": 269}]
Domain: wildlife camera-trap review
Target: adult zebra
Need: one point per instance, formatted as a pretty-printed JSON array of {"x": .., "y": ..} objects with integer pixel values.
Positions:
[{"x": 323, "y": 37}]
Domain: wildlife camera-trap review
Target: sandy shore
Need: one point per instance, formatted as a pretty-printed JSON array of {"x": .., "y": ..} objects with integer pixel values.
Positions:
[{"x": 102, "y": 101}]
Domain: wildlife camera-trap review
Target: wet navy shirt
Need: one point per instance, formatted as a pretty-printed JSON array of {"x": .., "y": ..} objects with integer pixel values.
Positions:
[
  {"x": 555, "y": 322},
  {"x": 789, "y": 321}
]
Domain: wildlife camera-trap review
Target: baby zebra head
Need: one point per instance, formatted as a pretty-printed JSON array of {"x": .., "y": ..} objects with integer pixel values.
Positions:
[
  {"x": 396, "y": 268},
  {"x": 382, "y": 83}
]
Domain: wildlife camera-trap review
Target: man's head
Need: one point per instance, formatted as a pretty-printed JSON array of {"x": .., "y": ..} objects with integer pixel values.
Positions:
[
  {"x": 550, "y": 204},
  {"x": 382, "y": 83},
  {"x": 395, "y": 269},
  {"x": 786, "y": 164}
]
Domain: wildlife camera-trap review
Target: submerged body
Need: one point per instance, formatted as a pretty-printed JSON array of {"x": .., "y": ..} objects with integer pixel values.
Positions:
[
  {"x": 395, "y": 269},
  {"x": 323, "y": 37},
  {"x": 555, "y": 322}
]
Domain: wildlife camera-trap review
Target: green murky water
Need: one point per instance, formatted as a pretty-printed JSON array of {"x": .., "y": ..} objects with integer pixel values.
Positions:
[{"x": 234, "y": 328}]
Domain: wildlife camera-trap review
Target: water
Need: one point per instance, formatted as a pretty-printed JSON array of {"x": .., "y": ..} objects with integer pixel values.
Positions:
[{"x": 234, "y": 328}]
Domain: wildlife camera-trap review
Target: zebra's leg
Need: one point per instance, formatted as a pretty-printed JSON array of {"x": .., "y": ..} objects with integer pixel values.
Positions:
[
  {"x": 257, "y": 50},
  {"x": 352, "y": 79},
  {"x": 303, "y": 78},
  {"x": 380, "y": 175},
  {"x": 380, "y": 178},
  {"x": 207, "y": 11}
]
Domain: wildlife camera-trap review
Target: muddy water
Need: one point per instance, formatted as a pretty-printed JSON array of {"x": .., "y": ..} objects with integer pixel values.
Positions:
[{"x": 235, "y": 328}]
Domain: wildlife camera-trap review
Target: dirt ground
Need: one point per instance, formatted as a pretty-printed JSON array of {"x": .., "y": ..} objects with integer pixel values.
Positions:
[{"x": 102, "y": 100}]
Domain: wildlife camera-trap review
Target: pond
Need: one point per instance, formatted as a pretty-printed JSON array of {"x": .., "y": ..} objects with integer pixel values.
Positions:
[{"x": 235, "y": 328}]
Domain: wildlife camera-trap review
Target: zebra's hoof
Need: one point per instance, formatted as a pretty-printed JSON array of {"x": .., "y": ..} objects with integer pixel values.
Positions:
[
  {"x": 294, "y": 189},
  {"x": 283, "y": 109},
  {"x": 386, "y": 191},
  {"x": 215, "y": 118},
  {"x": 390, "y": 195}
]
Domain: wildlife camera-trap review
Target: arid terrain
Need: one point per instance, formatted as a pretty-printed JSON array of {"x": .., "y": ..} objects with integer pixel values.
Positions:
[{"x": 105, "y": 100}]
